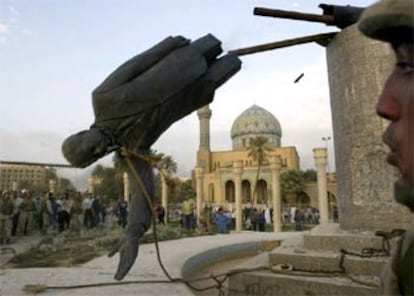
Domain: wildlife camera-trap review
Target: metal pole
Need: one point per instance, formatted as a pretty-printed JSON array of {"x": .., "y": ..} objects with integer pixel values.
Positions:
[{"x": 283, "y": 43}]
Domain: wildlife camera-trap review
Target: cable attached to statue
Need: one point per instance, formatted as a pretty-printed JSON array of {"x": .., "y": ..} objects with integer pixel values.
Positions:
[{"x": 136, "y": 104}]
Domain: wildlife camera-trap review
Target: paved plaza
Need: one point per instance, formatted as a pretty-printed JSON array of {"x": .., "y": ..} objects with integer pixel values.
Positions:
[{"x": 178, "y": 256}]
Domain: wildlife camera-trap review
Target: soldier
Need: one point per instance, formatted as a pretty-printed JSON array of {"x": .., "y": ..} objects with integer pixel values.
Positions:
[
  {"x": 392, "y": 21},
  {"x": 17, "y": 201},
  {"x": 46, "y": 212},
  {"x": 6, "y": 214},
  {"x": 76, "y": 214},
  {"x": 27, "y": 210}
]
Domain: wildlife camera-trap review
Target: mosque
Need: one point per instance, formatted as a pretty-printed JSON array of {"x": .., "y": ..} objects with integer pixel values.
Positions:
[{"x": 216, "y": 171}]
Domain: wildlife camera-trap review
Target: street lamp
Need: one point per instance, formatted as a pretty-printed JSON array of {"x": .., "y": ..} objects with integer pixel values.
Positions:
[{"x": 326, "y": 139}]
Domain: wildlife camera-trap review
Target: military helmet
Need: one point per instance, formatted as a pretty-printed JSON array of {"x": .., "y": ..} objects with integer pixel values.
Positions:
[{"x": 389, "y": 20}]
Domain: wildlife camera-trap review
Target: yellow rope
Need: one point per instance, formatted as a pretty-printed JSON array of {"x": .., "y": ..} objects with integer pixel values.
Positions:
[{"x": 126, "y": 154}]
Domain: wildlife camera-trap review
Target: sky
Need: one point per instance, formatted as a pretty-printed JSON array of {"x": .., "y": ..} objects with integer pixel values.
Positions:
[{"x": 54, "y": 53}]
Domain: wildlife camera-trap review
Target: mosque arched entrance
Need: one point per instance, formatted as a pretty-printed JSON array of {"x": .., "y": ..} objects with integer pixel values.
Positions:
[
  {"x": 246, "y": 191},
  {"x": 230, "y": 192},
  {"x": 303, "y": 200},
  {"x": 261, "y": 191},
  {"x": 333, "y": 206}
]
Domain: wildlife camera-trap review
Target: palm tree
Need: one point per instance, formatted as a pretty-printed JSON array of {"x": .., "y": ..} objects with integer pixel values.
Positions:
[
  {"x": 167, "y": 163},
  {"x": 98, "y": 171},
  {"x": 258, "y": 151}
]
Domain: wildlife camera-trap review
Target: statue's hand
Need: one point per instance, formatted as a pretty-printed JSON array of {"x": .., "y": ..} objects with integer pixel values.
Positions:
[
  {"x": 127, "y": 247},
  {"x": 147, "y": 94}
]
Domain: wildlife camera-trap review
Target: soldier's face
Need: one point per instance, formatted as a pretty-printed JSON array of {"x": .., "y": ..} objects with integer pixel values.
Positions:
[{"x": 396, "y": 103}]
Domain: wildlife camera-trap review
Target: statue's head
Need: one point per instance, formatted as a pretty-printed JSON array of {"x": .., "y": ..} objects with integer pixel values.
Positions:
[{"x": 86, "y": 147}]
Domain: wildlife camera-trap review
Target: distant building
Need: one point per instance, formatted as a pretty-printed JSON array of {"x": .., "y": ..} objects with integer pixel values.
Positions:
[
  {"x": 14, "y": 176},
  {"x": 218, "y": 184}
]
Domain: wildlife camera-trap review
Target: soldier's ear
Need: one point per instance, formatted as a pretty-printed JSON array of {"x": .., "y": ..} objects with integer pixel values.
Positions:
[{"x": 86, "y": 147}]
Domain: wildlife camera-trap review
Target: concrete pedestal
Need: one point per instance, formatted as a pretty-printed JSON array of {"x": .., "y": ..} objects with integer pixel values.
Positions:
[{"x": 358, "y": 68}]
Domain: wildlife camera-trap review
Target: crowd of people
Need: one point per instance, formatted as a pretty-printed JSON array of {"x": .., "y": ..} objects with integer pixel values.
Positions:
[
  {"x": 23, "y": 212},
  {"x": 253, "y": 218}
]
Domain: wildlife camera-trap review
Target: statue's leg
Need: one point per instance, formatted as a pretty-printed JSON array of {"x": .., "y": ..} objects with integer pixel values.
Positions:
[{"x": 139, "y": 214}]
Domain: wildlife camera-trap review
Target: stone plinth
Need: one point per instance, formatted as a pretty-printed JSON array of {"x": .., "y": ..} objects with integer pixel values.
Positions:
[
  {"x": 268, "y": 283},
  {"x": 329, "y": 261},
  {"x": 316, "y": 250},
  {"x": 358, "y": 68}
]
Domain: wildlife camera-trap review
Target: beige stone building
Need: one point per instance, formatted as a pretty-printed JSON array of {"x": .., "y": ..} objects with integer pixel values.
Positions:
[
  {"x": 215, "y": 169},
  {"x": 13, "y": 176}
]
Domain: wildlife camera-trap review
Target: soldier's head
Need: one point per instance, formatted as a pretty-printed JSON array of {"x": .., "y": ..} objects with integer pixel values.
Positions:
[
  {"x": 6, "y": 194},
  {"x": 392, "y": 21}
]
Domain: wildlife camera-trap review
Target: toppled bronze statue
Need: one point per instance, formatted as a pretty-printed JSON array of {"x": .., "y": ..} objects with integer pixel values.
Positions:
[{"x": 136, "y": 104}]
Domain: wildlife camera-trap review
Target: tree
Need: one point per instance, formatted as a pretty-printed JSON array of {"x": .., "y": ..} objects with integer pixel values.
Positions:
[
  {"x": 258, "y": 151},
  {"x": 186, "y": 190},
  {"x": 50, "y": 173},
  {"x": 110, "y": 184},
  {"x": 310, "y": 175},
  {"x": 65, "y": 184},
  {"x": 98, "y": 171},
  {"x": 292, "y": 182},
  {"x": 167, "y": 163}
]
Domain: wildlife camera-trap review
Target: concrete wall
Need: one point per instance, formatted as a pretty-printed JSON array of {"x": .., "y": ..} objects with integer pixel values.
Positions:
[{"x": 357, "y": 68}]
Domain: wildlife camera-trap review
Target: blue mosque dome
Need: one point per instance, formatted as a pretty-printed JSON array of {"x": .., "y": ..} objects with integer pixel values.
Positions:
[{"x": 255, "y": 121}]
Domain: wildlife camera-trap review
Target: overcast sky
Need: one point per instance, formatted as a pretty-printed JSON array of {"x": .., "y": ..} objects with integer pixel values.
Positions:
[{"x": 54, "y": 53}]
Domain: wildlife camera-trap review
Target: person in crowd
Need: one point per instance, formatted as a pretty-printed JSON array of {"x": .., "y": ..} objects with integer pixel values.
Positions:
[
  {"x": 76, "y": 214},
  {"x": 122, "y": 212},
  {"x": 96, "y": 210},
  {"x": 187, "y": 210},
  {"x": 109, "y": 214},
  {"x": 104, "y": 204},
  {"x": 39, "y": 201},
  {"x": 268, "y": 217},
  {"x": 298, "y": 220},
  {"x": 17, "y": 200},
  {"x": 254, "y": 215},
  {"x": 261, "y": 221},
  {"x": 88, "y": 218},
  {"x": 64, "y": 212},
  {"x": 206, "y": 217},
  {"x": 160, "y": 212},
  {"x": 47, "y": 213},
  {"x": 222, "y": 220},
  {"x": 27, "y": 209},
  {"x": 6, "y": 215}
]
